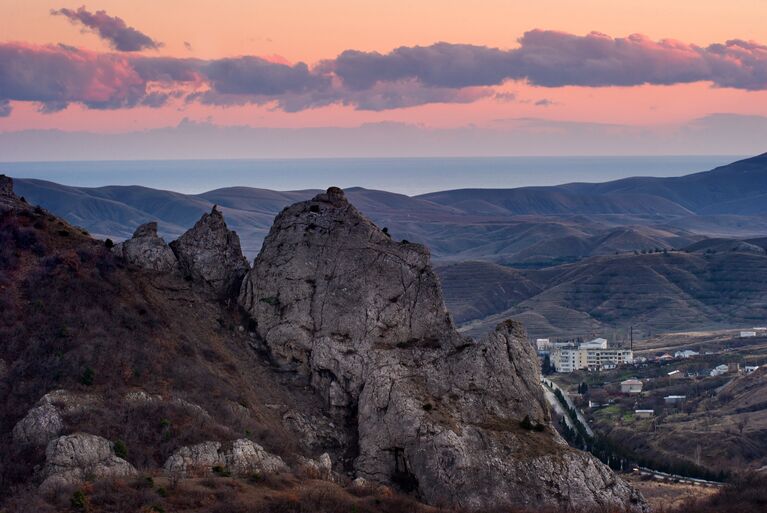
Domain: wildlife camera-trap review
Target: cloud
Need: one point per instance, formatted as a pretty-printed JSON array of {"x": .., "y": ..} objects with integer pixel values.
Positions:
[
  {"x": 5, "y": 108},
  {"x": 112, "y": 29},
  {"x": 438, "y": 65},
  {"x": 258, "y": 77},
  {"x": 55, "y": 76},
  {"x": 555, "y": 59}
]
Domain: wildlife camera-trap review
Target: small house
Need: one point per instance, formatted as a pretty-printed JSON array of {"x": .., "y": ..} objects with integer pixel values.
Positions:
[
  {"x": 676, "y": 374},
  {"x": 631, "y": 386},
  {"x": 674, "y": 399},
  {"x": 644, "y": 414}
]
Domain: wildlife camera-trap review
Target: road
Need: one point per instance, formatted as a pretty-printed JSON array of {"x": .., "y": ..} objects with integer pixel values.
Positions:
[{"x": 570, "y": 403}]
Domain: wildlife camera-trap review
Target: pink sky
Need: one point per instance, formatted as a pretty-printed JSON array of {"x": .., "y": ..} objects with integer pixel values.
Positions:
[{"x": 677, "y": 35}]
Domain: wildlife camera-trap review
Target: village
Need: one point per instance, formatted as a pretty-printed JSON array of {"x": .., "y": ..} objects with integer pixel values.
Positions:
[{"x": 647, "y": 396}]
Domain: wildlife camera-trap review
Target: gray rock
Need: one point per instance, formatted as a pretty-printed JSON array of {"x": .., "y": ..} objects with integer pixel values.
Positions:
[
  {"x": 362, "y": 316},
  {"x": 314, "y": 432},
  {"x": 8, "y": 199},
  {"x": 147, "y": 250},
  {"x": 210, "y": 252},
  {"x": 72, "y": 459},
  {"x": 45, "y": 421},
  {"x": 6, "y": 185},
  {"x": 40, "y": 425},
  {"x": 240, "y": 457}
]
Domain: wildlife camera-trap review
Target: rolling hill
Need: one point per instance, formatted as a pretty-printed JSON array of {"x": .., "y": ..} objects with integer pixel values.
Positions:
[
  {"x": 586, "y": 257},
  {"x": 531, "y": 226},
  {"x": 663, "y": 291}
]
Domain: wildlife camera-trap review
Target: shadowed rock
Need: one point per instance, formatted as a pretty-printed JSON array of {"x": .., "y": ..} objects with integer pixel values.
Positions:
[
  {"x": 46, "y": 420},
  {"x": 147, "y": 250},
  {"x": 71, "y": 459},
  {"x": 241, "y": 457},
  {"x": 362, "y": 316},
  {"x": 8, "y": 199},
  {"x": 210, "y": 252}
]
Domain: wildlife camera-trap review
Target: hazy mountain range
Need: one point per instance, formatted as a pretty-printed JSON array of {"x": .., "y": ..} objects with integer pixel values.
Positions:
[
  {"x": 578, "y": 248},
  {"x": 527, "y": 224}
]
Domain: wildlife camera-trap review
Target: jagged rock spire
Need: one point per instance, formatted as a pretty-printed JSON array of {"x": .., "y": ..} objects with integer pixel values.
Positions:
[{"x": 210, "y": 252}]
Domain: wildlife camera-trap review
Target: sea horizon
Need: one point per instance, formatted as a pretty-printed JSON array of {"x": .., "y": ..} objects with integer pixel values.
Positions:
[{"x": 405, "y": 175}]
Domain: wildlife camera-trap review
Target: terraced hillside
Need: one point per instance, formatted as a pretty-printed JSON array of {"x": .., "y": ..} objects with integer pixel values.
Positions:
[{"x": 663, "y": 291}]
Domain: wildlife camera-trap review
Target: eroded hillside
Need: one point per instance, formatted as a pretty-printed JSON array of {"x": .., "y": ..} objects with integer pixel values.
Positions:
[{"x": 134, "y": 360}]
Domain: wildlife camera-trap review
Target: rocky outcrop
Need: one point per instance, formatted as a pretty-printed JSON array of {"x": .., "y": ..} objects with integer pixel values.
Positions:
[
  {"x": 8, "y": 199},
  {"x": 362, "y": 316},
  {"x": 72, "y": 459},
  {"x": 210, "y": 252},
  {"x": 321, "y": 468},
  {"x": 147, "y": 250},
  {"x": 241, "y": 457},
  {"x": 45, "y": 421},
  {"x": 40, "y": 425}
]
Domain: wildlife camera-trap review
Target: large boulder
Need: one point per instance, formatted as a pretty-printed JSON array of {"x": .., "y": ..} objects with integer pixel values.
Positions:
[
  {"x": 72, "y": 459},
  {"x": 45, "y": 420},
  {"x": 362, "y": 316},
  {"x": 240, "y": 457},
  {"x": 210, "y": 253},
  {"x": 147, "y": 250},
  {"x": 40, "y": 425}
]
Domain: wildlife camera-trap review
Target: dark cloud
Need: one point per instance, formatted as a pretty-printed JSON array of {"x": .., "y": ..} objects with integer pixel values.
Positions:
[
  {"x": 111, "y": 29},
  {"x": 257, "y": 76},
  {"x": 5, "y": 108},
  {"x": 439, "y": 65},
  {"x": 55, "y": 76},
  {"x": 555, "y": 59}
]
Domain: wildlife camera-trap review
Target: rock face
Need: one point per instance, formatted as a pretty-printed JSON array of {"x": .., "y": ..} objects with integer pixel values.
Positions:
[
  {"x": 240, "y": 457},
  {"x": 41, "y": 424},
  {"x": 211, "y": 253},
  {"x": 362, "y": 316},
  {"x": 72, "y": 459},
  {"x": 45, "y": 421},
  {"x": 8, "y": 199},
  {"x": 147, "y": 250}
]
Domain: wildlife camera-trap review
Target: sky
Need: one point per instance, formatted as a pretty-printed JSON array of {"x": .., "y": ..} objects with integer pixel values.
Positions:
[{"x": 628, "y": 77}]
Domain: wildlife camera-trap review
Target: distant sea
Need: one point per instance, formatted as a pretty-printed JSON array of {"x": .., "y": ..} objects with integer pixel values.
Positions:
[{"x": 409, "y": 176}]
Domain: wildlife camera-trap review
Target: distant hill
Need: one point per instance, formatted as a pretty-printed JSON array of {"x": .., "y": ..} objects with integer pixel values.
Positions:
[
  {"x": 739, "y": 188},
  {"x": 655, "y": 291},
  {"x": 530, "y": 226}
]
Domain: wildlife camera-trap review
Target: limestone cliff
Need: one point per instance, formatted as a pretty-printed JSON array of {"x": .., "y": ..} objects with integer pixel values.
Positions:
[{"x": 361, "y": 315}]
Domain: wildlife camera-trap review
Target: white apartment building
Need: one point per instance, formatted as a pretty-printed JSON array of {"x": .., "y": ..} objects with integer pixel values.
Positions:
[{"x": 593, "y": 355}]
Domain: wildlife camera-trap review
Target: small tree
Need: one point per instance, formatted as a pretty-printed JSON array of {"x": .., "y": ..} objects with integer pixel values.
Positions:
[
  {"x": 87, "y": 376},
  {"x": 121, "y": 450},
  {"x": 527, "y": 423}
]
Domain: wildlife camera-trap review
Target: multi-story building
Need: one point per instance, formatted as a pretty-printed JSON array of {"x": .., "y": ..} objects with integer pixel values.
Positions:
[{"x": 593, "y": 355}]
